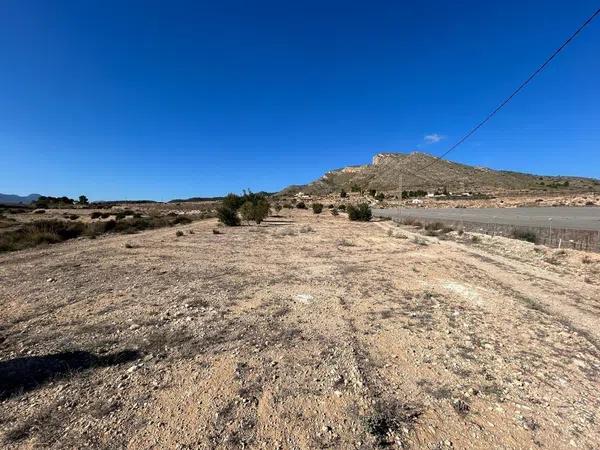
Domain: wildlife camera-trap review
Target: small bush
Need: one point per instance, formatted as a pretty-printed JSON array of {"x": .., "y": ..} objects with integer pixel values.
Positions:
[
  {"x": 525, "y": 235},
  {"x": 301, "y": 205},
  {"x": 128, "y": 245},
  {"x": 96, "y": 215},
  {"x": 40, "y": 211},
  {"x": 475, "y": 239},
  {"x": 380, "y": 197},
  {"x": 343, "y": 194},
  {"x": 179, "y": 233},
  {"x": 215, "y": 231},
  {"x": 317, "y": 208},
  {"x": 228, "y": 216},
  {"x": 287, "y": 206},
  {"x": 105, "y": 215},
  {"x": 334, "y": 212},
  {"x": 361, "y": 212},
  {"x": 306, "y": 229},
  {"x": 342, "y": 207}
]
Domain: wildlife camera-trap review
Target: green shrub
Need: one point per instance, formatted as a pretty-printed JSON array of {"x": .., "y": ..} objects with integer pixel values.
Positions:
[
  {"x": 287, "y": 206},
  {"x": 96, "y": 215},
  {"x": 256, "y": 210},
  {"x": 301, "y": 205},
  {"x": 342, "y": 207},
  {"x": 343, "y": 194},
  {"x": 525, "y": 235},
  {"x": 228, "y": 216},
  {"x": 361, "y": 212},
  {"x": 317, "y": 208},
  {"x": 334, "y": 212},
  {"x": 233, "y": 202},
  {"x": 380, "y": 197},
  {"x": 179, "y": 233}
]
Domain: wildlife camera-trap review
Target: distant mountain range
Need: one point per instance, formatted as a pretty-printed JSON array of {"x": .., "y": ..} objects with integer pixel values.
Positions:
[
  {"x": 421, "y": 171},
  {"x": 9, "y": 199}
]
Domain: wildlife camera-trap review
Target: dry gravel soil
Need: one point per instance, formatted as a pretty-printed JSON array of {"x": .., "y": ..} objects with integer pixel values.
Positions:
[{"x": 305, "y": 332}]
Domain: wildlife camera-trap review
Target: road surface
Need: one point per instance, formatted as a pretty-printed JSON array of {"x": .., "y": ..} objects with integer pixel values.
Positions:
[{"x": 575, "y": 218}]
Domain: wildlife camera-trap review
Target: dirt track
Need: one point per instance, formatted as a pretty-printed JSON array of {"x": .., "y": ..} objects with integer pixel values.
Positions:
[{"x": 307, "y": 332}]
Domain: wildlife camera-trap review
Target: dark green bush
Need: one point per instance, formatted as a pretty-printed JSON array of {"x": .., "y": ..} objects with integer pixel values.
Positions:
[
  {"x": 179, "y": 233},
  {"x": 342, "y": 207},
  {"x": 361, "y": 212},
  {"x": 317, "y": 208},
  {"x": 228, "y": 216},
  {"x": 233, "y": 202},
  {"x": 343, "y": 194},
  {"x": 255, "y": 211},
  {"x": 301, "y": 205},
  {"x": 96, "y": 215},
  {"x": 525, "y": 235}
]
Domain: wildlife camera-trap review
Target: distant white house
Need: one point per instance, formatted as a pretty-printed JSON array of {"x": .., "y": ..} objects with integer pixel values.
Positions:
[{"x": 417, "y": 201}]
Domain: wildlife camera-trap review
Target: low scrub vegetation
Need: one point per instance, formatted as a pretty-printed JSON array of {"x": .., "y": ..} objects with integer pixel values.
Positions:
[
  {"x": 525, "y": 235},
  {"x": 361, "y": 212},
  {"x": 42, "y": 232},
  {"x": 301, "y": 205},
  {"x": 317, "y": 208}
]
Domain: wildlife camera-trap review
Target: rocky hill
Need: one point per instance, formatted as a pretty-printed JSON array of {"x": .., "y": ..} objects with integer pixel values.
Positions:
[{"x": 383, "y": 174}]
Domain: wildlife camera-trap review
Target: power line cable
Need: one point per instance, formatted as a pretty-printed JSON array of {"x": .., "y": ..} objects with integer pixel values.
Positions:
[{"x": 510, "y": 97}]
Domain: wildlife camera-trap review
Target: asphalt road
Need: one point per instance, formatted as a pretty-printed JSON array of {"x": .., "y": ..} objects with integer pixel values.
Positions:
[{"x": 574, "y": 218}]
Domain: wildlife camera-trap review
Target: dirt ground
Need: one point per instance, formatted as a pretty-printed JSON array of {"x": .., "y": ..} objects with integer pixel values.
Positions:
[{"x": 305, "y": 332}]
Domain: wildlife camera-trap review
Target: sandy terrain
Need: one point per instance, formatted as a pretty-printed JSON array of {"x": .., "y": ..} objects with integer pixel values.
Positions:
[{"x": 306, "y": 332}]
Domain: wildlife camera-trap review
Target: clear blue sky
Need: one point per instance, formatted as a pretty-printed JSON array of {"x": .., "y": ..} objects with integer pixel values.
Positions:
[{"x": 164, "y": 99}]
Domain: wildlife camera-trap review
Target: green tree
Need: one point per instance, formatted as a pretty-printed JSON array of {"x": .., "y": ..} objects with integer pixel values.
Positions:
[{"x": 83, "y": 200}]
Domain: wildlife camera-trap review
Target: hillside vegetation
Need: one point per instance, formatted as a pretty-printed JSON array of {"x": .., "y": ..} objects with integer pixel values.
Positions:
[{"x": 383, "y": 174}]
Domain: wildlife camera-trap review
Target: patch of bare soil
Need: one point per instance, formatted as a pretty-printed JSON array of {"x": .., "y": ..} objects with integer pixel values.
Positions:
[{"x": 305, "y": 332}]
